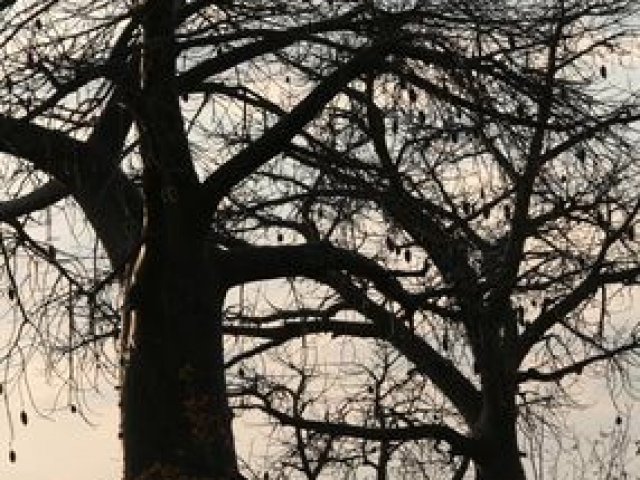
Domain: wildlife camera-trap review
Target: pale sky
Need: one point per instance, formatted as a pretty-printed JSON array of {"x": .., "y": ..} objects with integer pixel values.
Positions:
[{"x": 65, "y": 447}]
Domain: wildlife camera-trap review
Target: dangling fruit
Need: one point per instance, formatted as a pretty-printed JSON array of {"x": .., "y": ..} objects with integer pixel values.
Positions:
[
  {"x": 23, "y": 417},
  {"x": 390, "y": 244},
  {"x": 12, "y": 456},
  {"x": 445, "y": 342}
]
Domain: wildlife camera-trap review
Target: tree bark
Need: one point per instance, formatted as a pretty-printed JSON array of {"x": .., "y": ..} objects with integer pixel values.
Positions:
[
  {"x": 175, "y": 412},
  {"x": 496, "y": 428},
  {"x": 500, "y": 458},
  {"x": 176, "y": 418}
]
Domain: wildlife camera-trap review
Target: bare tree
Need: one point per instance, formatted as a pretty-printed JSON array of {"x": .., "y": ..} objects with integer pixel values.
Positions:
[
  {"x": 474, "y": 204},
  {"x": 99, "y": 106},
  {"x": 449, "y": 188}
]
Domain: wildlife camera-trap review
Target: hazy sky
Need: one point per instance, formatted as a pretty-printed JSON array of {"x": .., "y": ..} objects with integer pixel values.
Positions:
[{"x": 64, "y": 447}]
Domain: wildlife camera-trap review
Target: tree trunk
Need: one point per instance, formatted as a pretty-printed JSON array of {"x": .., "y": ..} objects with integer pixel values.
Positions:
[
  {"x": 501, "y": 457},
  {"x": 497, "y": 426},
  {"x": 176, "y": 417}
]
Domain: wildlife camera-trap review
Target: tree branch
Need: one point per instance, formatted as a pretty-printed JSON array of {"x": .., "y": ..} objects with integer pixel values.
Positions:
[{"x": 273, "y": 142}]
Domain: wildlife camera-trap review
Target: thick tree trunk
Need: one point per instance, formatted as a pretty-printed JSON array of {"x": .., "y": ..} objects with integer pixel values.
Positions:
[
  {"x": 500, "y": 454},
  {"x": 176, "y": 418},
  {"x": 496, "y": 428}
]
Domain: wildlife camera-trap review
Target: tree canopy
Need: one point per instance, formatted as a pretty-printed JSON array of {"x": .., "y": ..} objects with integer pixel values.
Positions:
[{"x": 401, "y": 231}]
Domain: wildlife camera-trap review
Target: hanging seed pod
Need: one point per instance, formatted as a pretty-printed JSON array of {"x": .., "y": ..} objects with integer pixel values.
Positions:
[
  {"x": 73, "y": 408},
  {"x": 31, "y": 59},
  {"x": 603, "y": 71},
  {"x": 407, "y": 255},
  {"x": 618, "y": 420},
  {"x": 51, "y": 252},
  {"x": 369, "y": 389},
  {"x": 241, "y": 372},
  {"x": 1, "y": 389},
  {"x": 391, "y": 246},
  {"x": 445, "y": 342},
  {"x": 23, "y": 417},
  {"x": 12, "y": 456},
  {"x": 38, "y": 24},
  {"x": 11, "y": 294}
]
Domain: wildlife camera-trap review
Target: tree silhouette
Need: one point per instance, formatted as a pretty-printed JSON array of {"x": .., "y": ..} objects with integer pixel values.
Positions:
[{"x": 449, "y": 188}]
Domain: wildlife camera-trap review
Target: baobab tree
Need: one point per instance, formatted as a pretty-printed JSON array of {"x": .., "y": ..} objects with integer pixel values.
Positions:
[
  {"x": 86, "y": 88},
  {"x": 484, "y": 185},
  {"x": 459, "y": 178}
]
